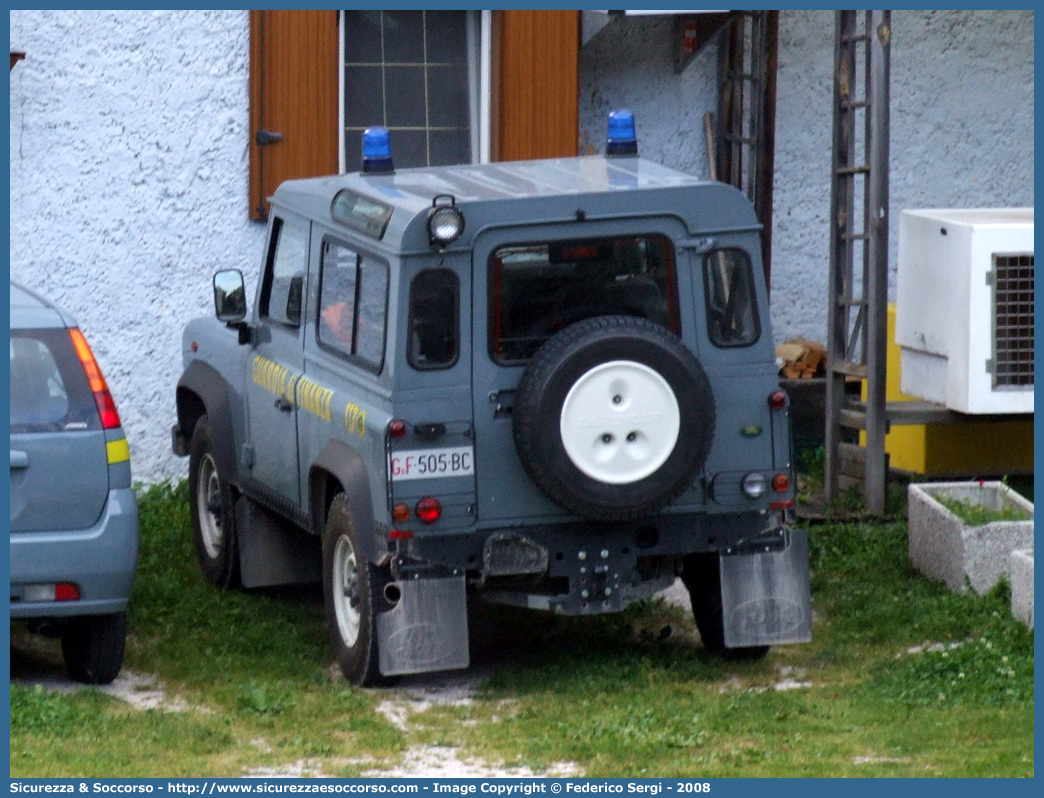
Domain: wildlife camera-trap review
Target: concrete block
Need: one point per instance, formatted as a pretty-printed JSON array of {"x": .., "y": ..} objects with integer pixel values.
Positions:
[
  {"x": 1022, "y": 585},
  {"x": 943, "y": 547}
]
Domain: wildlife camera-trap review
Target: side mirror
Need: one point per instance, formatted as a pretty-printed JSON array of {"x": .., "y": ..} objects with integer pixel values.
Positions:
[{"x": 229, "y": 296}]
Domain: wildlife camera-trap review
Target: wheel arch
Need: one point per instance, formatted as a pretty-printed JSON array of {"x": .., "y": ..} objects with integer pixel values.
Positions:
[
  {"x": 203, "y": 391},
  {"x": 339, "y": 468}
]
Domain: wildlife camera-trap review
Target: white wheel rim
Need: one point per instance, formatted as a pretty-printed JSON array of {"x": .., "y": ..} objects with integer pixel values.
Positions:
[
  {"x": 620, "y": 422},
  {"x": 208, "y": 505},
  {"x": 346, "y": 595}
]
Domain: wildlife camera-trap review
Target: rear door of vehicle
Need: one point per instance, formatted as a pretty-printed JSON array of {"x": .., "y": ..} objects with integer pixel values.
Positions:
[
  {"x": 552, "y": 276},
  {"x": 59, "y": 470}
]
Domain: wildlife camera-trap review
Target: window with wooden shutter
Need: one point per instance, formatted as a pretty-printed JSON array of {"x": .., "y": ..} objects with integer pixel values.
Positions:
[
  {"x": 535, "y": 84},
  {"x": 293, "y": 100},
  {"x": 296, "y": 114}
]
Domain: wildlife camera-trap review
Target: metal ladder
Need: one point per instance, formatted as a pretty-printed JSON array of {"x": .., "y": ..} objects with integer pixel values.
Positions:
[{"x": 857, "y": 346}]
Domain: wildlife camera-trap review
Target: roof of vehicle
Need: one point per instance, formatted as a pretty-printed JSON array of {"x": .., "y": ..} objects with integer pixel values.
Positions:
[
  {"x": 606, "y": 186},
  {"x": 31, "y": 311}
]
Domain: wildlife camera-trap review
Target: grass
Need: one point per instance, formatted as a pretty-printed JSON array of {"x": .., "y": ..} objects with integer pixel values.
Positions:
[
  {"x": 975, "y": 514},
  {"x": 902, "y": 678}
]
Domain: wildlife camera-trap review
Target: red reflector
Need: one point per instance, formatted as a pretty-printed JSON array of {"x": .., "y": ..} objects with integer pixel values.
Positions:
[
  {"x": 400, "y": 534},
  {"x": 781, "y": 483},
  {"x": 65, "y": 591},
  {"x": 397, "y": 428},
  {"x": 782, "y": 505},
  {"x": 429, "y": 510},
  {"x": 110, "y": 419},
  {"x": 579, "y": 253},
  {"x": 777, "y": 400}
]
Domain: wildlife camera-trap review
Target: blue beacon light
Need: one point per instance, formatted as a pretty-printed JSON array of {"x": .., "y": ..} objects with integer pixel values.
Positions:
[
  {"x": 622, "y": 140},
  {"x": 376, "y": 151}
]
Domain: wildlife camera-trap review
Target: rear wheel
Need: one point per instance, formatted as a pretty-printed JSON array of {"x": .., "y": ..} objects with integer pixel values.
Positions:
[
  {"x": 213, "y": 517},
  {"x": 93, "y": 647},
  {"x": 702, "y": 578},
  {"x": 351, "y": 588}
]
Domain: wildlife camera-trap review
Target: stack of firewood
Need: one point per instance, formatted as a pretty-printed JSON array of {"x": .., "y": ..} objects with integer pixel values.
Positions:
[{"x": 801, "y": 359}]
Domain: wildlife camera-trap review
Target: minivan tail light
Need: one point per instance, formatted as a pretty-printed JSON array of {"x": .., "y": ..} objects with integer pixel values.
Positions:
[{"x": 110, "y": 418}]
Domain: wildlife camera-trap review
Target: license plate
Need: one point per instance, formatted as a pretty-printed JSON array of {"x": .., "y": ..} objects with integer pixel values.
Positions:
[{"x": 457, "y": 461}]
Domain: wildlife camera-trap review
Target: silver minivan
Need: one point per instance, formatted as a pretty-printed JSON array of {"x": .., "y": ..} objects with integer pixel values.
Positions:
[{"x": 74, "y": 518}]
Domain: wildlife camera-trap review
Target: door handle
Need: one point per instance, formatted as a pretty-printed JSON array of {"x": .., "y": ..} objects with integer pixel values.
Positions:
[
  {"x": 283, "y": 404},
  {"x": 19, "y": 459},
  {"x": 263, "y": 137}
]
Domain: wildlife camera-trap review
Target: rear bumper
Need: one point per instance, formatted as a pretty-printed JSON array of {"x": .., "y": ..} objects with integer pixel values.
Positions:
[{"x": 100, "y": 561}]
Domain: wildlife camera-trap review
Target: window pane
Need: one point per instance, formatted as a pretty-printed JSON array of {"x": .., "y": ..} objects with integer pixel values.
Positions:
[
  {"x": 731, "y": 315},
  {"x": 540, "y": 289},
  {"x": 408, "y": 71},
  {"x": 284, "y": 280},
  {"x": 373, "y": 301},
  {"x": 338, "y": 277},
  {"x": 434, "y": 319}
]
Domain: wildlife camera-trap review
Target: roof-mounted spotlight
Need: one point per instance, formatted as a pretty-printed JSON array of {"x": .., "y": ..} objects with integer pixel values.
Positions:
[
  {"x": 445, "y": 221},
  {"x": 376, "y": 151},
  {"x": 622, "y": 139}
]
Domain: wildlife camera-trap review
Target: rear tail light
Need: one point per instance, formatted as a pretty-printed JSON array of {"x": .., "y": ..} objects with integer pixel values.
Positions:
[
  {"x": 63, "y": 591},
  {"x": 777, "y": 400},
  {"x": 429, "y": 510},
  {"x": 397, "y": 428},
  {"x": 110, "y": 419}
]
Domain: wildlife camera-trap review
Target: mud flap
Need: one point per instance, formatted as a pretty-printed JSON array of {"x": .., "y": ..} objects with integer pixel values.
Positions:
[
  {"x": 427, "y": 630},
  {"x": 271, "y": 552},
  {"x": 765, "y": 596}
]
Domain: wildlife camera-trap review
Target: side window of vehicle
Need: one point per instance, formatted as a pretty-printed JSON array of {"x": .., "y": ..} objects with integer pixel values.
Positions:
[
  {"x": 434, "y": 321},
  {"x": 353, "y": 304},
  {"x": 732, "y": 315},
  {"x": 283, "y": 289}
]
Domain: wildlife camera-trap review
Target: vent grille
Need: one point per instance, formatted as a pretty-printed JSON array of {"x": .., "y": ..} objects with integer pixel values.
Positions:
[{"x": 1013, "y": 321}]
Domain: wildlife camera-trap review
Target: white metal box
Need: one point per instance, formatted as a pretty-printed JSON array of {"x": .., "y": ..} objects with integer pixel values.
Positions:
[{"x": 964, "y": 308}]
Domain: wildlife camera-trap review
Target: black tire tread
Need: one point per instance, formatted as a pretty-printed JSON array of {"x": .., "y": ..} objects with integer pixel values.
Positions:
[
  {"x": 361, "y": 663},
  {"x": 222, "y": 571},
  {"x": 93, "y": 647}
]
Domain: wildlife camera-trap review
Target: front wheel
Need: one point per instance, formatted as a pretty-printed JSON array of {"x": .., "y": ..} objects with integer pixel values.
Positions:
[
  {"x": 93, "y": 647},
  {"x": 702, "y": 578},
  {"x": 351, "y": 587},
  {"x": 213, "y": 518}
]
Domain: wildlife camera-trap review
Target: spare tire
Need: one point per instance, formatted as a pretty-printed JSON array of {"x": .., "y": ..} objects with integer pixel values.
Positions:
[{"x": 613, "y": 418}]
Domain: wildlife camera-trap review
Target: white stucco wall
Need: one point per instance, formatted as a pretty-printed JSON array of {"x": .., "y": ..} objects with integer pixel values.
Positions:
[
  {"x": 129, "y": 189},
  {"x": 961, "y": 125}
]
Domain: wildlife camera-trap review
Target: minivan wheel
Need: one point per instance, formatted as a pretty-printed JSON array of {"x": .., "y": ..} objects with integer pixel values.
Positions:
[
  {"x": 701, "y": 575},
  {"x": 351, "y": 589},
  {"x": 93, "y": 646},
  {"x": 613, "y": 418},
  {"x": 213, "y": 517}
]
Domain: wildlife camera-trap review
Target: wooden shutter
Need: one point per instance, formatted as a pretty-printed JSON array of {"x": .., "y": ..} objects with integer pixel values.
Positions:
[
  {"x": 535, "y": 84},
  {"x": 293, "y": 93}
]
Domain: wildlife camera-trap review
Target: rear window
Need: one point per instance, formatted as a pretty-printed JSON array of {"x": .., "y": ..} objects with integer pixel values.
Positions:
[
  {"x": 539, "y": 289},
  {"x": 49, "y": 391}
]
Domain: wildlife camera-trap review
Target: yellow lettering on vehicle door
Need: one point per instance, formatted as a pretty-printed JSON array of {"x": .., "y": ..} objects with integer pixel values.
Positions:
[
  {"x": 274, "y": 378},
  {"x": 355, "y": 419},
  {"x": 314, "y": 398}
]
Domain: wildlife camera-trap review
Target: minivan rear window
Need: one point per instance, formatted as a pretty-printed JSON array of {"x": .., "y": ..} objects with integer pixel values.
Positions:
[{"x": 49, "y": 391}]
